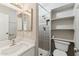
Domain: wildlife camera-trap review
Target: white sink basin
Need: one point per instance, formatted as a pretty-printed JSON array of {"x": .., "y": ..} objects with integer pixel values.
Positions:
[{"x": 13, "y": 50}]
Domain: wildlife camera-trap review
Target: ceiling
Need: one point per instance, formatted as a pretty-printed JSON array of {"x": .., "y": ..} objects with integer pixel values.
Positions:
[{"x": 50, "y": 6}]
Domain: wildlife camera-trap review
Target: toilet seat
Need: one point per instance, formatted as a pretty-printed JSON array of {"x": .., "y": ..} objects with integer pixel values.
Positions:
[{"x": 59, "y": 53}]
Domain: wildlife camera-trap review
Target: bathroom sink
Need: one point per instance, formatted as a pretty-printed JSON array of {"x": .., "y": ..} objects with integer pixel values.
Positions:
[{"x": 14, "y": 50}]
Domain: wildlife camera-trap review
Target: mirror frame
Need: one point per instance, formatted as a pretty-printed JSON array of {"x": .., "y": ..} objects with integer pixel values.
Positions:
[{"x": 31, "y": 27}]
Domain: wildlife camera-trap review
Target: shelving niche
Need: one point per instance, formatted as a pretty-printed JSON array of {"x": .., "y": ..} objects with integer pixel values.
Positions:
[{"x": 62, "y": 23}]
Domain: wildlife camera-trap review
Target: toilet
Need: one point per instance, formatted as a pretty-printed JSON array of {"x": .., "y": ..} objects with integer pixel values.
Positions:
[{"x": 61, "y": 48}]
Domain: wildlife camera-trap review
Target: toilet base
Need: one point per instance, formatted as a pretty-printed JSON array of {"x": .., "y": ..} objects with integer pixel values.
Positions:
[{"x": 58, "y": 52}]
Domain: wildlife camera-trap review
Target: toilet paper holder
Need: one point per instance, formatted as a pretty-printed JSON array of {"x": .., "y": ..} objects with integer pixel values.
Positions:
[{"x": 76, "y": 50}]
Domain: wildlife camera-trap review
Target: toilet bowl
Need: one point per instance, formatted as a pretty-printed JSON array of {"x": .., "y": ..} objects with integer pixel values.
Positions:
[{"x": 61, "y": 48}]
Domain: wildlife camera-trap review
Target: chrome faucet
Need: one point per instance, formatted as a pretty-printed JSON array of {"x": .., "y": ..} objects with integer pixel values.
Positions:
[
  {"x": 11, "y": 39},
  {"x": 12, "y": 42}
]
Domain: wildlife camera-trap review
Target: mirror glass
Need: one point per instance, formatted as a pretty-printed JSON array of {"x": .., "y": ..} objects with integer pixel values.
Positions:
[
  {"x": 27, "y": 22},
  {"x": 19, "y": 22},
  {"x": 24, "y": 22}
]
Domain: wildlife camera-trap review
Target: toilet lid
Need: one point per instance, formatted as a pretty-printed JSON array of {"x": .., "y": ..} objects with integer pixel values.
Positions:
[{"x": 59, "y": 53}]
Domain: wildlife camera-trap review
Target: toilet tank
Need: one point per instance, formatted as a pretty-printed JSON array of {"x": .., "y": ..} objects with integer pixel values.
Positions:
[{"x": 61, "y": 45}]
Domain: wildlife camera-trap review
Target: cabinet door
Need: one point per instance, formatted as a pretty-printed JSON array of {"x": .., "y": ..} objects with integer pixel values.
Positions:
[{"x": 30, "y": 52}]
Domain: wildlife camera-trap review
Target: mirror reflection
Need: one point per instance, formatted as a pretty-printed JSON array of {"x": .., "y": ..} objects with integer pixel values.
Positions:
[{"x": 24, "y": 22}]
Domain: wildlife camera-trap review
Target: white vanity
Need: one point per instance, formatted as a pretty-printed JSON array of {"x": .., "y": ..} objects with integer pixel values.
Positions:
[
  {"x": 14, "y": 44},
  {"x": 22, "y": 48}
]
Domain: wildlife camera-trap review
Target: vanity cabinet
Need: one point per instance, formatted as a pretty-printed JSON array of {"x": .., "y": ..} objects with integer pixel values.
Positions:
[{"x": 30, "y": 52}]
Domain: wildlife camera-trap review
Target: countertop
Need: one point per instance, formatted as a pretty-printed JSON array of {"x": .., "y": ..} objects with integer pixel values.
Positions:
[{"x": 25, "y": 44}]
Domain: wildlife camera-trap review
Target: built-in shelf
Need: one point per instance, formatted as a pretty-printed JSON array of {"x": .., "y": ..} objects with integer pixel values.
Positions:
[
  {"x": 66, "y": 40},
  {"x": 62, "y": 29},
  {"x": 62, "y": 23},
  {"x": 64, "y": 18},
  {"x": 64, "y": 7}
]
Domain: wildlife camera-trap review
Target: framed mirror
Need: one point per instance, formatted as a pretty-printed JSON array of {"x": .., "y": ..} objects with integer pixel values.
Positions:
[
  {"x": 28, "y": 20},
  {"x": 25, "y": 20}
]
